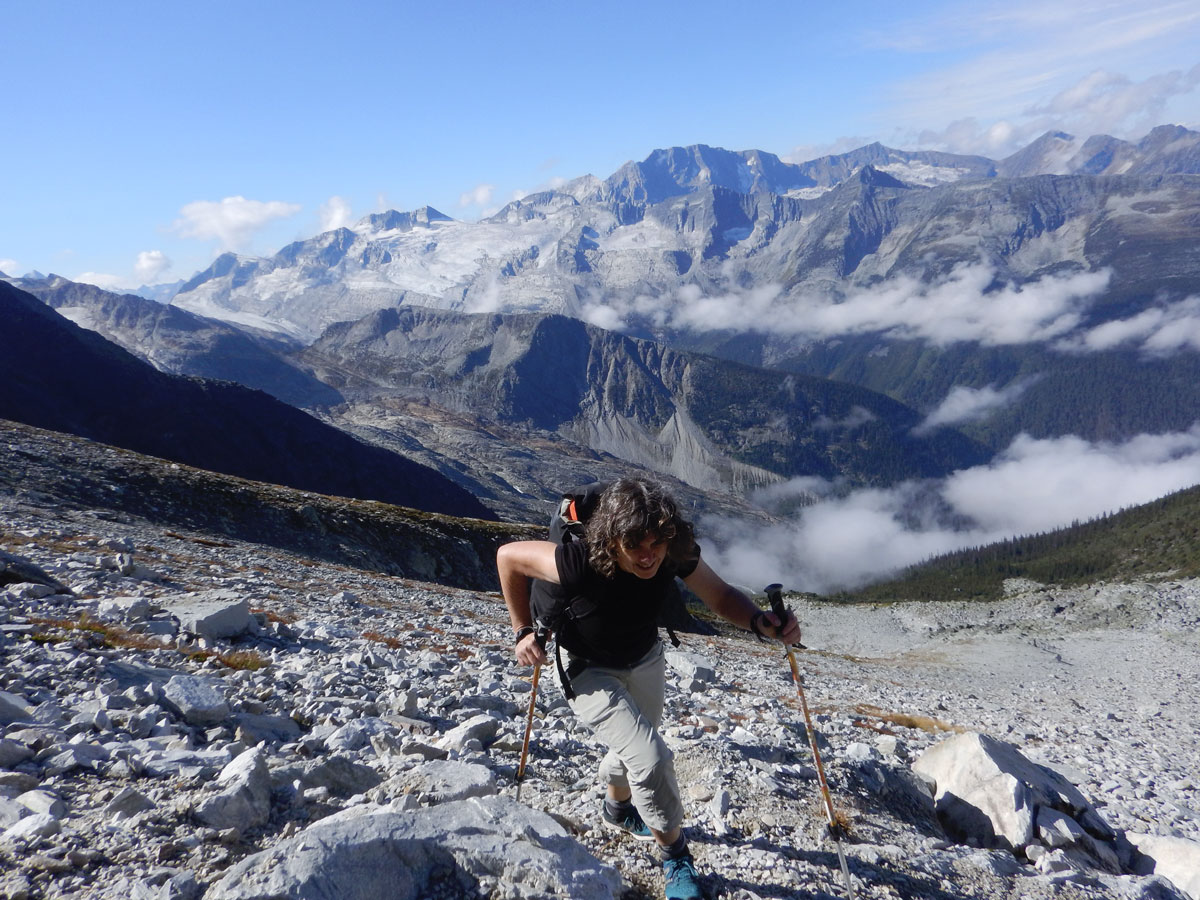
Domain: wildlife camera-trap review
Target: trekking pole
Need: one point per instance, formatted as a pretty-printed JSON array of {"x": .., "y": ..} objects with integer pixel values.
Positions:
[
  {"x": 774, "y": 593},
  {"x": 542, "y": 634}
]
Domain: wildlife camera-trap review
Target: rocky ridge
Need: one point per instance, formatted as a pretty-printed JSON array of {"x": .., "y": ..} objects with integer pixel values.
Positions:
[{"x": 187, "y": 718}]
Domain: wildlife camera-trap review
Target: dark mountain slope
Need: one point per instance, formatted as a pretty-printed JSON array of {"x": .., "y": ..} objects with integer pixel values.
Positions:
[
  {"x": 65, "y": 378},
  {"x": 177, "y": 341}
]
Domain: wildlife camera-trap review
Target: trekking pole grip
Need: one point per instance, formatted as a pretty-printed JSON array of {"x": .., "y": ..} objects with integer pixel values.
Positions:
[{"x": 774, "y": 594}]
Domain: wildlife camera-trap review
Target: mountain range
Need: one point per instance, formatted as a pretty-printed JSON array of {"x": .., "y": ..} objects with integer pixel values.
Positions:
[
  {"x": 910, "y": 273},
  {"x": 718, "y": 220},
  {"x": 727, "y": 319}
]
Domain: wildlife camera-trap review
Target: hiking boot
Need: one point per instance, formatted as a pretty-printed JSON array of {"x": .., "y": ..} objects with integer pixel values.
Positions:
[
  {"x": 631, "y": 823},
  {"x": 682, "y": 881}
]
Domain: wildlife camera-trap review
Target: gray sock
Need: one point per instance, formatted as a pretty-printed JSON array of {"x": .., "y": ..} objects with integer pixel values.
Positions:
[
  {"x": 618, "y": 809},
  {"x": 675, "y": 850}
]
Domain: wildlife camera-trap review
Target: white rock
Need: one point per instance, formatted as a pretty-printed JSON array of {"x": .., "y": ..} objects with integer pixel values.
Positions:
[
  {"x": 124, "y": 609},
  {"x": 440, "y": 781},
  {"x": 482, "y": 728},
  {"x": 12, "y": 753},
  {"x": 987, "y": 790},
  {"x": 1057, "y": 829},
  {"x": 1176, "y": 859}
]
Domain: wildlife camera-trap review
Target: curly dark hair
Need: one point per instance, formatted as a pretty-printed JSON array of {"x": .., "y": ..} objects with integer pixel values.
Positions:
[{"x": 629, "y": 511}]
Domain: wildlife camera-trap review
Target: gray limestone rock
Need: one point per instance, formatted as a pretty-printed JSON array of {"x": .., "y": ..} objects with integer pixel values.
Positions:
[
  {"x": 254, "y": 729},
  {"x": 124, "y": 609},
  {"x": 339, "y": 775},
  {"x": 12, "y": 753},
  {"x": 693, "y": 669},
  {"x": 15, "y": 570},
  {"x": 199, "y": 700},
  {"x": 440, "y": 781},
  {"x": 42, "y": 801},
  {"x": 500, "y": 848},
  {"x": 245, "y": 798},
  {"x": 128, "y": 803},
  {"x": 39, "y": 825},
  {"x": 481, "y": 728},
  {"x": 210, "y": 614},
  {"x": 14, "y": 709}
]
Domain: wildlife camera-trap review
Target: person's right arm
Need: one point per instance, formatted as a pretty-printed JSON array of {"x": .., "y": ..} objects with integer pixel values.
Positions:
[{"x": 517, "y": 563}]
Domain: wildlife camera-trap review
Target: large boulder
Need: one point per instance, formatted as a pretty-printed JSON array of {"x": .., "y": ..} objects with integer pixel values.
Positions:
[
  {"x": 440, "y": 781},
  {"x": 494, "y": 846},
  {"x": 987, "y": 793}
]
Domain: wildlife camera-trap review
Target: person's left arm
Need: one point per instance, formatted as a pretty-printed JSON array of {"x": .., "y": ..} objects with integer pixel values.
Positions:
[{"x": 732, "y": 605}]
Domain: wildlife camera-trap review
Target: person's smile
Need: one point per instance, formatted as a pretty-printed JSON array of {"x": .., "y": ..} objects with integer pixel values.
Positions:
[{"x": 643, "y": 559}]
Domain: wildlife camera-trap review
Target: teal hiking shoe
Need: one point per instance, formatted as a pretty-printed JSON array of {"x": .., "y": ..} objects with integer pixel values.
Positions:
[
  {"x": 631, "y": 823},
  {"x": 682, "y": 881}
]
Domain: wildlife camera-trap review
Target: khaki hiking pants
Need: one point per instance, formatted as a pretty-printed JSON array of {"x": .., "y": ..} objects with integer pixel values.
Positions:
[{"x": 624, "y": 708}]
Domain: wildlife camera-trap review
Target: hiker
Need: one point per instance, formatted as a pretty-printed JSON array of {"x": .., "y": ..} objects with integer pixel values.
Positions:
[{"x": 635, "y": 545}]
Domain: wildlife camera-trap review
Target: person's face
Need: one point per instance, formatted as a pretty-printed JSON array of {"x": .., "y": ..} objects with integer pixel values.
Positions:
[{"x": 644, "y": 559}]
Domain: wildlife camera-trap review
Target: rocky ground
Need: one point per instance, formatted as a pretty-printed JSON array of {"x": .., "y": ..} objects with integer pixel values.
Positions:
[{"x": 143, "y": 754}]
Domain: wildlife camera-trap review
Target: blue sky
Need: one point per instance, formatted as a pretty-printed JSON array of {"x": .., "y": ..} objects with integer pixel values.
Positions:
[{"x": 143, "y": 139}]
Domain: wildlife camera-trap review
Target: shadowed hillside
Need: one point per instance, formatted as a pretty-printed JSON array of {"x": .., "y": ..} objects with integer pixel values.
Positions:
[{"x": 65, "y": 378}]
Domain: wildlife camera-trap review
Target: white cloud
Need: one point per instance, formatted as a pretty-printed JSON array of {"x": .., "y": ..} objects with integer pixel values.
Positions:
[
  {"x": 966, "y": 404},
  {"x": 1034, "y": 486},
  {"x": 963, "y": 306},
  {"x": 334, "y": 213},
  {"x": 1158, "y": 331},
  {"x": 1101, "y": 102},
  {"x": 150, "y": 265},
  {"x": 480, "y": 195},
  {"x": 231, "y": 221},
  {"x": 1037, "y": 485},
  {"x": 1043, "y": 66},
  {"x": 9, "y": 266}
]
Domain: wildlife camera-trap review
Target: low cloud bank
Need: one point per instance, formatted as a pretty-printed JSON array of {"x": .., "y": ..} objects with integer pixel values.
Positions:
[
  {"x": 831, "y": 542},
  {"x": 965, "y": 305},
  {"x": 1158, "y": 331}
]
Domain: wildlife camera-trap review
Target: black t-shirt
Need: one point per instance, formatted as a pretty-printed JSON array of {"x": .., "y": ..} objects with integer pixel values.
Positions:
[{"x": 613, "y": 621}]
